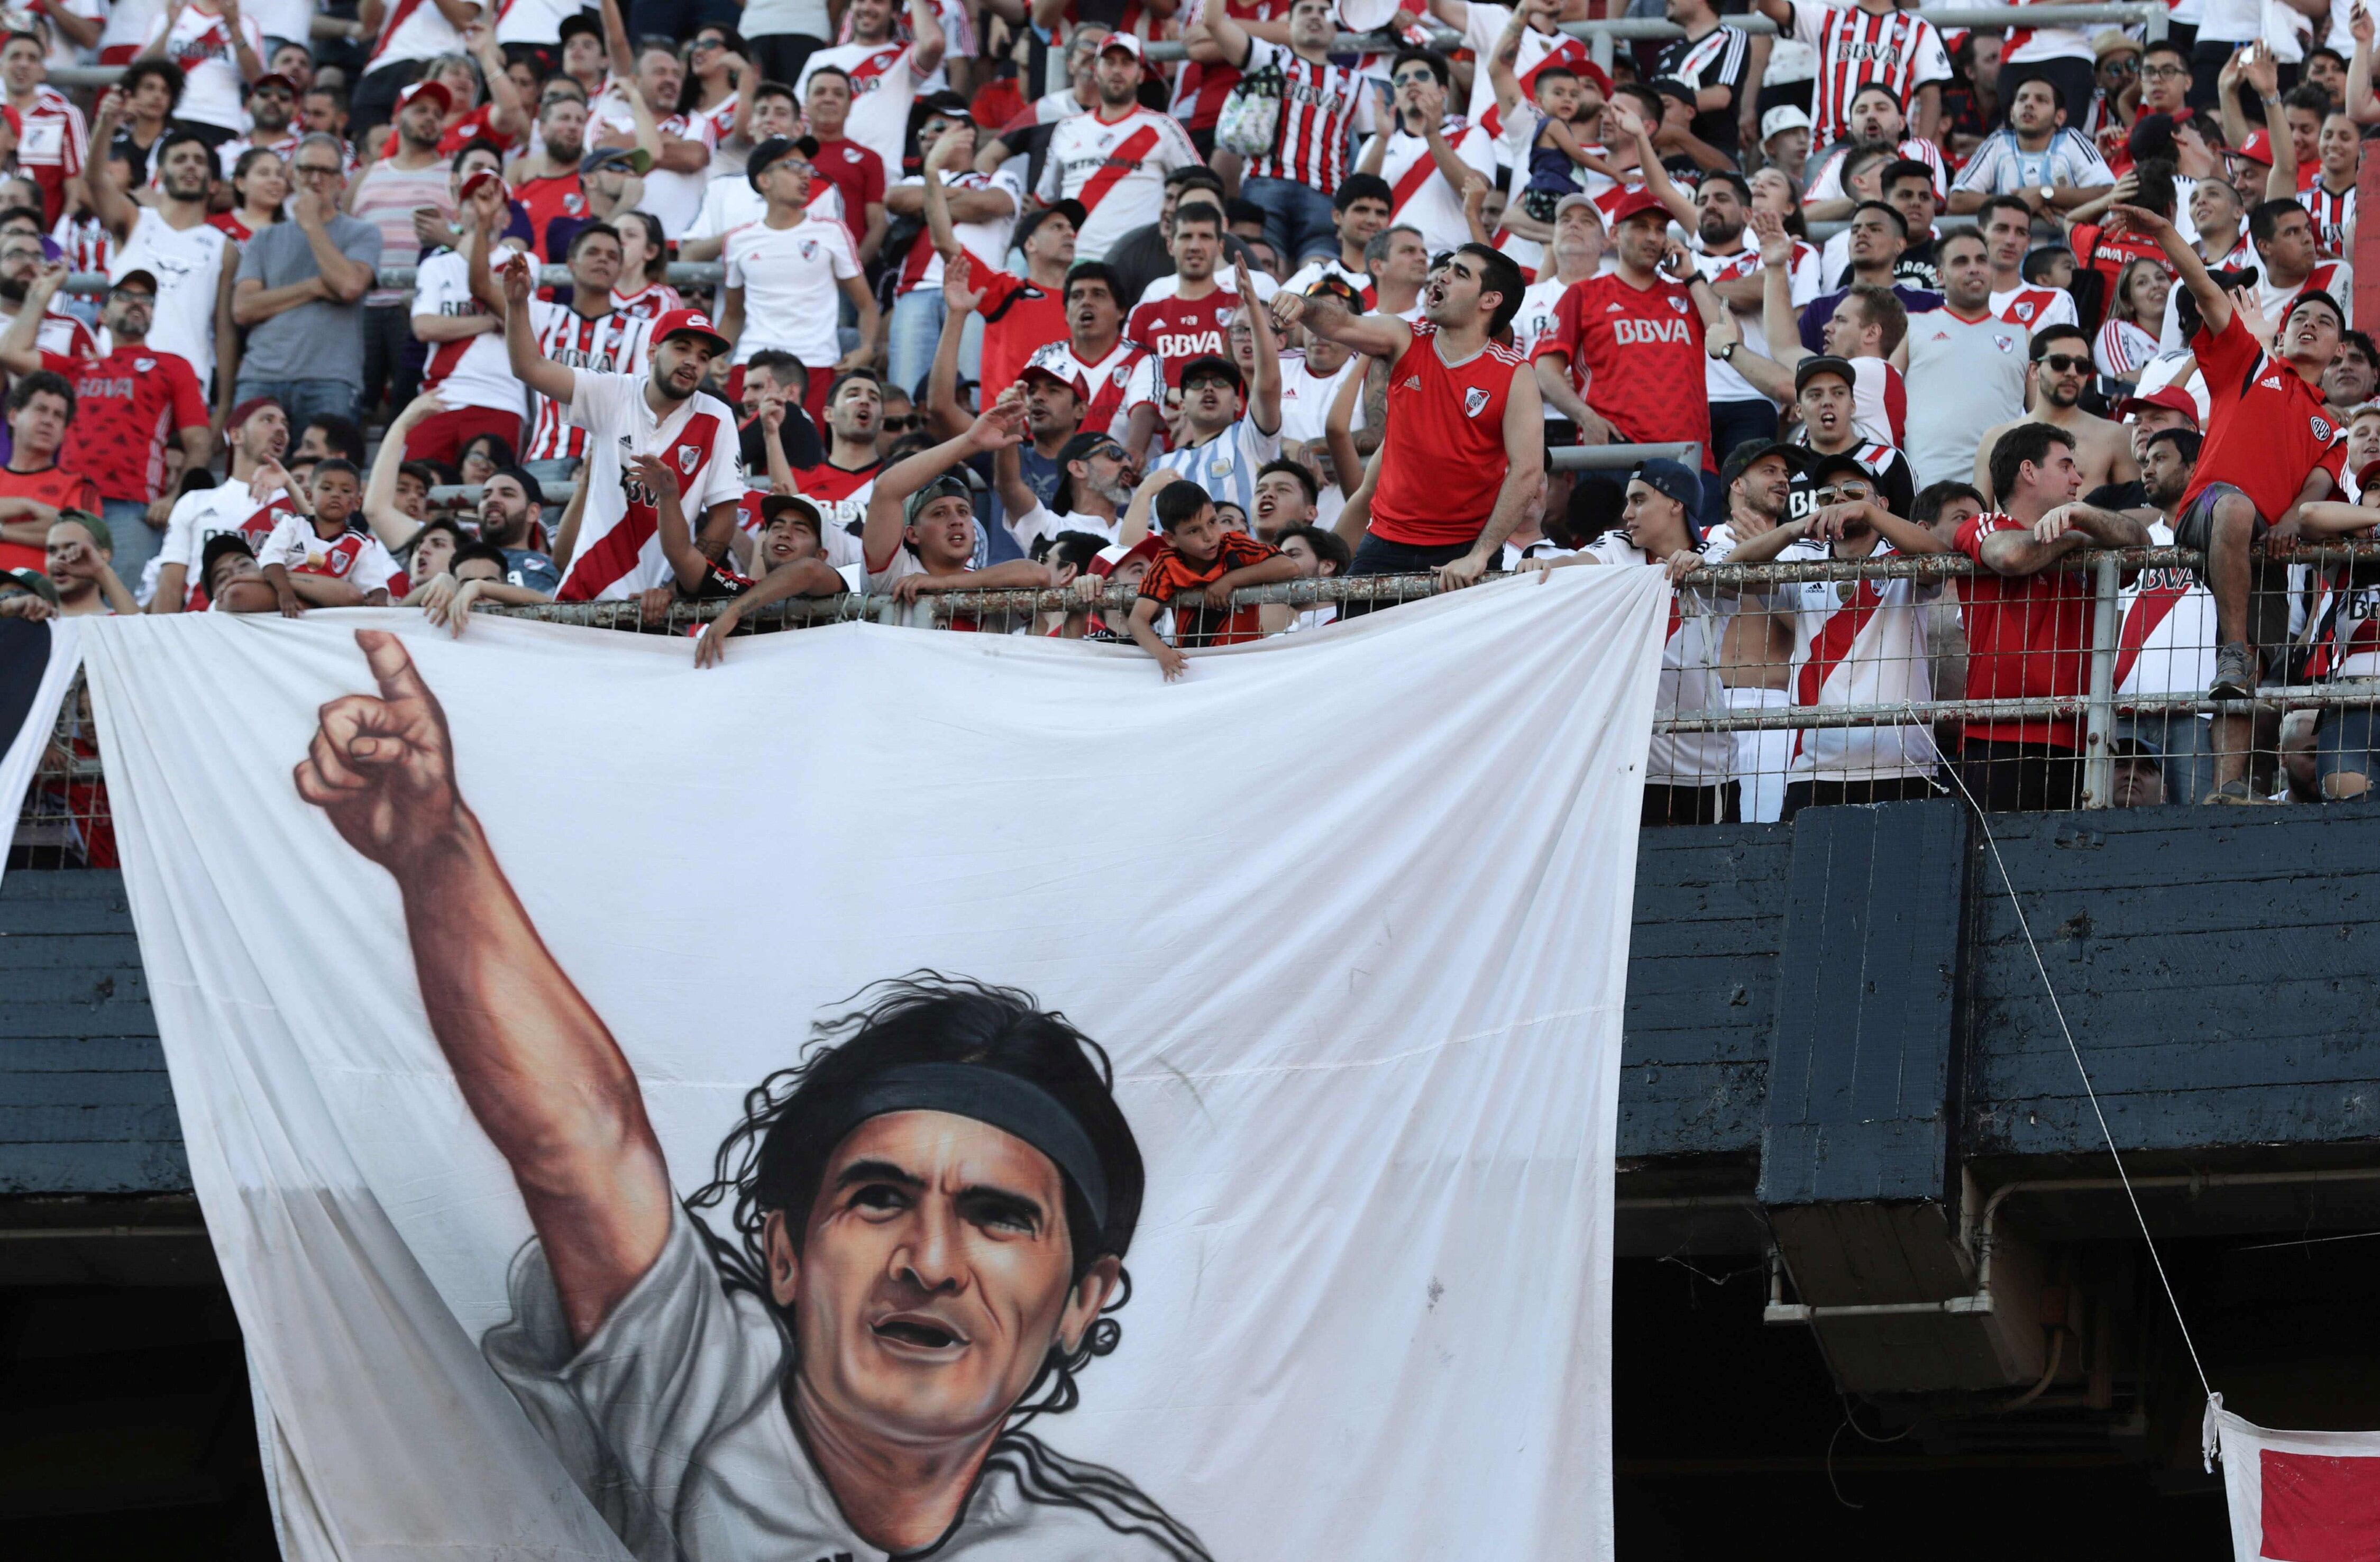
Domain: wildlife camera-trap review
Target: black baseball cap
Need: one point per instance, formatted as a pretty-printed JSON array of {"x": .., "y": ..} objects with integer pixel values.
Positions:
[
  {"x": 1745, "y": 456},
  {"x": 774, "y": 149},
  {"x": 33, "y": 580},
  {"x": 1816, "y": 364},
  {"x": 1842, "y": 462},
  {"x": 217, "y": 546},
  {"x": 1070, "y": 210},
  {"x": 1085, "y": 445},
  {"x": 1207, "y": 364},
  {"x": 776, "y": 505},
  {"x": 1673, "y": 480}
]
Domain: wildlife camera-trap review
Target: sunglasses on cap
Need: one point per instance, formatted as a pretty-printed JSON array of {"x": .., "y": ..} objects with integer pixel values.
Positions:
[{"x": 2061, "y": 363}]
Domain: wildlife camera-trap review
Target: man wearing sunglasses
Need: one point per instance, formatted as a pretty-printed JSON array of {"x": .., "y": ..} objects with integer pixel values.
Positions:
[
  {"x": 272, "y": 105},
  {"x": 2061, "y": 370}
]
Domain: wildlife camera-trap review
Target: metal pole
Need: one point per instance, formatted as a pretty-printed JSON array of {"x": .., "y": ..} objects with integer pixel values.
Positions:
[{"x": 2099, "y": 714}]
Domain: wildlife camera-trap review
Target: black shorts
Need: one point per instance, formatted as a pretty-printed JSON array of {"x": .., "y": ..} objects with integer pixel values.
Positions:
[{"x": 2268, "y": 583}]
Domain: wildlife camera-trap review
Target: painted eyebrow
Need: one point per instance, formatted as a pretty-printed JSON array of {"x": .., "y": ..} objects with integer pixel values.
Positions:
[{"x": 858, "y": 1172}]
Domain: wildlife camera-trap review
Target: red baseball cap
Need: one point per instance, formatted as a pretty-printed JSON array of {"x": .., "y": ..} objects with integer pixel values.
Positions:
[
  {"x": 1113, "y": 557},
  {"x": 426, "y": 89},
  {"x": 2172, "y": 397},
  {"x": 1587, "y": 70},
  {"x": 689, "y": 323},
  {"x": 2257, "y": 148},
  {"x": 479, "y": 177},
  {"x": 1637, "y": 203}
]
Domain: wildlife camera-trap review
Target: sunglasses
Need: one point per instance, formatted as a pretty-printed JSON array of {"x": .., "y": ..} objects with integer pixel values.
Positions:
[
  {"x": 1412, "y": 78},
  {"x": 2061, "y": 363},
  {"x": 1837, "y": 493},
  {"x": 2122, "y": 67},
  {"x": 903, "y": 425},
  {"x": 702, "y": 44}
]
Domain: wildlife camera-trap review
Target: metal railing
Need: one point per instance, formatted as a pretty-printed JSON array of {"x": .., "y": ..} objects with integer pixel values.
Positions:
[{"x": 66, "y": 821}]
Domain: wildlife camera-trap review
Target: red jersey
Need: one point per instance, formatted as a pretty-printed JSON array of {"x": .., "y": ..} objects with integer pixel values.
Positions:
[
  {"x": 51, "y": 485},
  {"x": 1636, "y": 355},
  {"x": 840, "y": 492},
  {"x": 858, "y": 174},
  {"x": 1182, "y": 329},
  {"x": 1018, "y": 319},
  {"x": 1442, "y": 456},
  {"x": 548, "y": 200},
  {"x": 124, "y": 406},
  {"x": 2028, "y": 635},
  {"x": 2267, "y": 426},
  {"x": 2110, "y": 253}
]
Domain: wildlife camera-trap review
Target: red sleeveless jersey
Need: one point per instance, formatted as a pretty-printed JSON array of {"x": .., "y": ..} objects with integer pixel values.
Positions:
[{"x": 1443, "y": 457}]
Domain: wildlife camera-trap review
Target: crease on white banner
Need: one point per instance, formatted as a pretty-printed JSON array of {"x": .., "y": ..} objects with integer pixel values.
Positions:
[
  {"x": 1337, "y": 1272},
  {"x": 23, "y": 755}
]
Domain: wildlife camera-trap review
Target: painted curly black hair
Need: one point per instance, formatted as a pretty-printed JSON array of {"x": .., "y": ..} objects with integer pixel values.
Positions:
[{"x": 768, "y": 1163}]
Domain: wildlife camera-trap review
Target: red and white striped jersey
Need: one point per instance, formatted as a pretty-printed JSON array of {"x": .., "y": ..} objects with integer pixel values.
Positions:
[
  {"x": 2346, "y": 627},
  {"x": 1129, "y": 375},
  {"x": 1116, "y": 169},
  {"x": 619, "y": 546},
  {"x": 1861, "y": 642},
  {"x": 354, "y": 556},
  {"x": 2167, "y": 642},
  {"x": 2333, "y": 216},
  {"x": 85, "y": 243},
  {"x": 1484, "y": 25},
  {"x": 1901, "y": 49},
  {"x": 1420, "y": 195},
  {"x": 652, "y": 300},
  {"x": 1320, "y": 105},
  {"x": 613, "y": 343},
  {"x": 1199, "y": 90}
]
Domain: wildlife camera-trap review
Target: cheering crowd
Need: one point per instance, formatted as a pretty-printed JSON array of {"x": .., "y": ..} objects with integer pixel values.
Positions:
[{"x": 1007, "y": 300}]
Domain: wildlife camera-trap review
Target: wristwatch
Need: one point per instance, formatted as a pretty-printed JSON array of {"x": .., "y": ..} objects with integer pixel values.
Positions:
[
  {"x": 1727, "y": 351},
  {"x": 2048, "y": 194}
]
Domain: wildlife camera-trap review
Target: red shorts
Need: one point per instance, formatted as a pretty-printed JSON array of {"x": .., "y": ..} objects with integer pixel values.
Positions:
[{"x": 441, "y": 438}]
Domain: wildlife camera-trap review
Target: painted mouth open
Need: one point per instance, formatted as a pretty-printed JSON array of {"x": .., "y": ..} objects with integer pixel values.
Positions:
[{"x": 922, "y": 1334}]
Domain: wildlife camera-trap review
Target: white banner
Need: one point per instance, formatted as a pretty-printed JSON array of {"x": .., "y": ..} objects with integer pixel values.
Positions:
[
  {"x": 2296, "y": 1497},
  {"x": 1349, "y": 915},
  {"x": 37, "y": 663}
]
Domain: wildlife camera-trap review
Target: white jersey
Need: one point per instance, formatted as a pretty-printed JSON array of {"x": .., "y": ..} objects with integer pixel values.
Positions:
[
  {"x": 1860, "y": 643},
  {"x": 533, "y": 21},
  {"x": 416, "y": 29},
  {"x": 1226, "y": 465},
  {"x": 2167, "y": 642},
  {"x": 729, "y": 205},
  {"x": 619, "y": 540},
  {"x": 354, "y": 556},
  {"x": 201, "y": 516},
  {"x": 616, "y": 342},
  {"x": 203, "y": 45},
  {"x": 792, "y": 279},
  {"x": 1116, "y": 169},
  {"x": 1721, "y": 379},
  {"x": 470, "y": 371},
  {"x": 1312, "y": 272},
  {"x": 1690, "y": 680},
  {"x": 674, "y": 197},
  {"x": 883, "y": 84},
  {"x": 2034, "y": 308},
  {"x": 676, "y": 1419},
  {"x": 985, "y": 243},
  {"x": 1828, "y": 183},
  {"x": 1420, "y": 196},
  {"x": 1306, "y": 396},
  {"x": 188, "y": 266}
]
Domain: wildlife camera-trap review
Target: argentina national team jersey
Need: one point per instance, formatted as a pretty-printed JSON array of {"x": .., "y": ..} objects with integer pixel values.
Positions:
[
  {"x": 1226, "y": 465},
  {"x": 672, "y": 1420}
]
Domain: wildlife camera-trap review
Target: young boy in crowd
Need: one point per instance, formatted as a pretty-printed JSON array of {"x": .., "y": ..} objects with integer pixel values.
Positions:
[
  {"x": 234, "y": 584},
  {"x": 1200, "y": 556},
  {"x": 316, "y": 559}
]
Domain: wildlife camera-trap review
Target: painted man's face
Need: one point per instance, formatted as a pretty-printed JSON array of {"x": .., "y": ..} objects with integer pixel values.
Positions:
[{"x": 933, "y": 1278}]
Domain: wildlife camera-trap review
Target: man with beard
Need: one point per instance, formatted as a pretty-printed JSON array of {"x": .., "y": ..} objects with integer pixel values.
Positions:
[
  {"x": 2061, "y": 367},
  {"x": 247, "y": 503},
  {"x": 123, "y": 405},
  {"x": 299, "y": 291},
  {"x": 20, "y": 258},
  {"x": 1095, "y": 487},
  {"x": 1112, "y": 161},
  {"x": 841, "y": 486},
  {"x": 174, "y": 242},
  {"x": 387, "y": 195},
  {"x": 1739, "y": 411},
  {"x": 2352, "y": 376},
  {"x": 272, "y": 102},
  {"x": 546, "y": 182},
  {"x": 510, "y": 507},
  {"x": 662, "y": 412}
]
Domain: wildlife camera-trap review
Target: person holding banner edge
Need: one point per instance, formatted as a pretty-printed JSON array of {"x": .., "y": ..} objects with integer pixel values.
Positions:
[{"x": 935, "y": 1207}]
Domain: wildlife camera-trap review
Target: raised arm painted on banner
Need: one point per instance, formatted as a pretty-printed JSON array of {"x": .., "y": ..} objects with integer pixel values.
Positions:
[{"x": 539, "y": 1070}]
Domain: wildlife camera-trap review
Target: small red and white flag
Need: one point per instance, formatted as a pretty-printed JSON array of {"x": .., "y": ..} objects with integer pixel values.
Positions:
[{"x": 2296, "y": 1497}]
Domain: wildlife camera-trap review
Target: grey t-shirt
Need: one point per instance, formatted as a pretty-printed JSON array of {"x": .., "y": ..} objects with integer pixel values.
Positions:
[
  {"x": 319, "y": 340},
  {"x": 673, "y": 1420}
]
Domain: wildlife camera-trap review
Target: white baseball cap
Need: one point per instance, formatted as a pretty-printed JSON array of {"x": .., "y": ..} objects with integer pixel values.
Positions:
[{"x": 1784, "y": 116}]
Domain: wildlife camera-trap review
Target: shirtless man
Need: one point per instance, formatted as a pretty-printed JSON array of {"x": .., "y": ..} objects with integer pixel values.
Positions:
[
  {"x": 1756, "y": 655},
  {"x": 2061, "y": 367}
]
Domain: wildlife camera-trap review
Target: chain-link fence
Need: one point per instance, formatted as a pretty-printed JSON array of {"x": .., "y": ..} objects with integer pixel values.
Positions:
[{"x": 1807, "y": 681}]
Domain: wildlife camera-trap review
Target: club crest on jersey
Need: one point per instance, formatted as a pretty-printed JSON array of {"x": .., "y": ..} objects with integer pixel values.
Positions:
[
  {"x": 2006, "y": 344},
  {"x": 574, "y": 203},
  {"x": 2022, "y": 309},
  {"x": 688, "y": 457},
  {"x": 143, "y": 365},
  {"x": 2321, "y": 428},
  {"x": 1119, "y": 375},
  {"x": 809, "y": 249},
  {"x": 1474, "y": 401},
  {"x": 1223, "y": 319},
  {"x": 1678, "y": 304}
]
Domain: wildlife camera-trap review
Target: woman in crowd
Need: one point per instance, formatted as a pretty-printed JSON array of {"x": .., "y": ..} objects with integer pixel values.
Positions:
[
  {"x": 485, "y": 456},
  {"x": 644, "y": 261},
  {"x": 2129, "y": 338},
  {"x": 259, "y": 183}
]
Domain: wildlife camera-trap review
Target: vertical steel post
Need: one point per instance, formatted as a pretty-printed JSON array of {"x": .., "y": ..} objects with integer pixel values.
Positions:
[
  {"x": 2099, "y": 714},
  {"x": 1601, "y": 49},
  {"x": 2154, "y": 23}
]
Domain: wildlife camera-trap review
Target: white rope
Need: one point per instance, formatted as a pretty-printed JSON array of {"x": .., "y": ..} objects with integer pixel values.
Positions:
[{"x": 2076, "y": 1054}]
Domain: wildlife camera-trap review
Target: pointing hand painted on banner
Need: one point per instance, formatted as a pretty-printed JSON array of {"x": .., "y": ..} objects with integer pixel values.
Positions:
[{"x": 383, "y": 766}]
